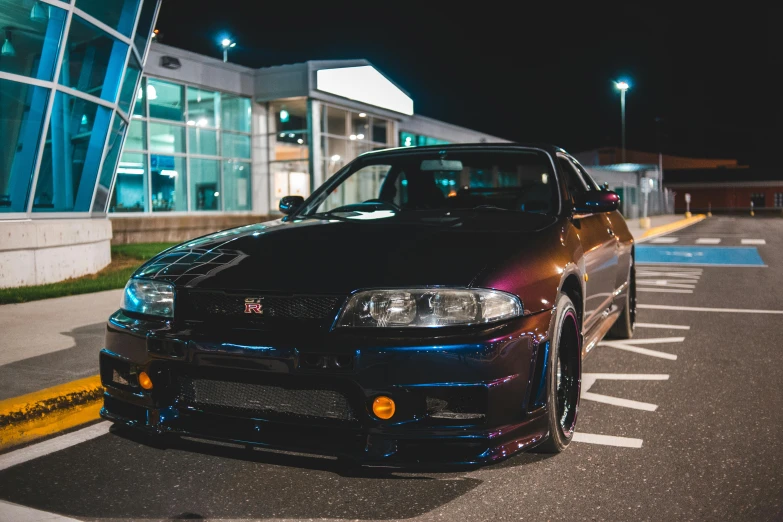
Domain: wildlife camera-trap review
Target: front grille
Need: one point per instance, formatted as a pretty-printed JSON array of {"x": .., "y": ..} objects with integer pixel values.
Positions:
[
  {"x": 215, "y": 305},
  {"x": 252, "y": 398}
]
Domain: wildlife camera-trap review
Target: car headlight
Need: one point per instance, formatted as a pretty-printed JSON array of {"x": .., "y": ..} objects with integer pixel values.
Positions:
[
  {"x": 146, "y": 297},
  {"x": 428, "y": 307}
]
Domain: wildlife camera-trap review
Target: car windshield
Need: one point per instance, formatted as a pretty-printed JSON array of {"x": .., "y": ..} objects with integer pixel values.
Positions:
[{"x": 490, "y": 180}]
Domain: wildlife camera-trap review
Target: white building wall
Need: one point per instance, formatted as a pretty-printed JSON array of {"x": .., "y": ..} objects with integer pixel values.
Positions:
[
  {"x": 260, "y": 159},
  {"x": 316, "y": 161},
  {"x": 36, "y": 252},
  {"x": 445, "y": 131},
  {"x": 200, "y": 70}
]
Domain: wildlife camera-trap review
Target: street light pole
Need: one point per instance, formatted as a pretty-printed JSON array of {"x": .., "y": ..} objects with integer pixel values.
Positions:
[
  {"x": 226, "y": 44},
  {"x": 622, "y": 86}
]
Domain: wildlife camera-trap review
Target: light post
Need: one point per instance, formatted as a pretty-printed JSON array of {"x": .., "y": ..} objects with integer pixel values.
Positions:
[
  {"x": 622, "y": 87},
  {"x": 226, "y": 44}
]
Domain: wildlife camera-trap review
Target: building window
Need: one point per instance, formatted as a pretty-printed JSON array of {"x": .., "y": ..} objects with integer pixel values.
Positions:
[
  {"x": 198, "y": 143},
  {"x": 117, "y": 14},
  {"x": 235, "y": 113},
  {"x": 236, "y": 190},
  {"x": 109, "y": 164},
  {"x": 76, "y": 154},
  {"x": 30, "y": 44},
  {"x": 288, "y": 136},
  {"x": 166, "y": 100},
  {"x": 167, "y": 180},
  {"x": 22, "y": 109},
  {"x": 129, "y": 82},
  {"x": 137, "y": 136},
  {"x": 289, "y": 149},
  {"x": 204, "y": 184},
  {"x": 130, "y": 187},
  {"x": 236, "y": 145},
  {"x": 166, "y": 137},
  {"x": 289, "y": 178},
  {"x": 758, "y": 200},
  {"x": 778, "y": 199},
  {"x": 202, "y": 141},
  {"x": 203, "y": 107},
  {"x": 93, "y": 61},
  {"x": 349, "y": 134},
  {"x": 72, "y": 155},
  {"x": 408, "y": 139}
]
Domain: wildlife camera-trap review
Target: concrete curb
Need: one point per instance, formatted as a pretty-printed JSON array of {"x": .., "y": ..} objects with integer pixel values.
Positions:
[
  {"x": 48, "y": 411},
  {"x": 671, "y": 227}
]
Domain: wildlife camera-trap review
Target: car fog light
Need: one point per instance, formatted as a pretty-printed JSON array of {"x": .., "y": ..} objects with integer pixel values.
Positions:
[
  {"x": 383, "y": 407},
  {"x": 145, "y": 381}
]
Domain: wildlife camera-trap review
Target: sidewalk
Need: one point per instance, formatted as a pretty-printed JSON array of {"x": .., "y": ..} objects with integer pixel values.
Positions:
[
  {"x": 660, "y": 225},
  {"x": 49, "y": 355}
]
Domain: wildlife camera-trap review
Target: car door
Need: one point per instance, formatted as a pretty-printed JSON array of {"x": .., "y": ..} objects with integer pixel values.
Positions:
[{"x": 598, "y": 244}]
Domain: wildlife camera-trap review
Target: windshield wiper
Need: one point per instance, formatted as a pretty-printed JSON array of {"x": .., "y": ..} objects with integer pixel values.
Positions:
[{"x": 493, "y": 207}]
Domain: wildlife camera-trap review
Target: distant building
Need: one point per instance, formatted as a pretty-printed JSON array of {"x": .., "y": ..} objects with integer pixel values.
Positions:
[
  {"x": 726, "y": 190},
  {"x": 634, "y": 182}
]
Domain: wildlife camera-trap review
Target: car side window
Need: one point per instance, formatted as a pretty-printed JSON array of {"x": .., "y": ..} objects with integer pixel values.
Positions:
[
  {"x": 574, "y": 181},
  {"x": 589, "y": 181}
]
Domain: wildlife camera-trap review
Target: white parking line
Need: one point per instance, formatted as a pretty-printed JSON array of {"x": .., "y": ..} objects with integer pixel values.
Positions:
[
  {"x": 655, "y": 340},
  {"x": 617, "y": 401},
  {"x": 625, "y": 345},
  {"x": 708, "y": 241},
  {"x": 646, "y": 272},
  {"x": 588, "y": 379},
  {"x": 667, "y": 326},
  {"x": 52, "y": 445},
  {"x": 702, "y": 309},
  {"x": 664, "y": 290},
  {"x": 665, "y": 283},
  {"x": 626, "y": 376},
  {"x": 753, "y": 242},
  {"x": 9, "y": 511},
  {"x": 665, "y": 240},
  {"x": 607, "y": 440}
]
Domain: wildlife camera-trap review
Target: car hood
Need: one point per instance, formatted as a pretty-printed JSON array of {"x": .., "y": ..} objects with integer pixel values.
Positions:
[{"x": 340, "y": 256}]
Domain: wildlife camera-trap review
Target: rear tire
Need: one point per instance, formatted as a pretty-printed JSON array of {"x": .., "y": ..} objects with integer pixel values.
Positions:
[
  {"x": 624, "y": 325},
  {"x": 563, "y": 376}
]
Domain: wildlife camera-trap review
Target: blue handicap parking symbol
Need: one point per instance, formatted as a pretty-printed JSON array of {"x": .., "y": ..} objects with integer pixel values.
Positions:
[{"x": 698, "y": 255}]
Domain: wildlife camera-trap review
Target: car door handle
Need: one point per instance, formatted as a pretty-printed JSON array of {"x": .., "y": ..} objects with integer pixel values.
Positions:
[{"x": 611, "y": 232}]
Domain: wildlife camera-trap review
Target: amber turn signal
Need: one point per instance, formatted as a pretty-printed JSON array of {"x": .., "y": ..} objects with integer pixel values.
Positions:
[
  {"x": 383, "y": 407},
  {"x": 145, "y": 381}
]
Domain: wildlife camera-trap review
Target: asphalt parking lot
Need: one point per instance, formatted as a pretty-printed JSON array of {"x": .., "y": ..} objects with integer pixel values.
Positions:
[{"x": 682, "y": 422}]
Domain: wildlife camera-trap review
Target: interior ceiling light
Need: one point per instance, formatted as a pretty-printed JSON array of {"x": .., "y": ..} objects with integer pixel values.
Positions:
[
  {"x": 8, "y": 47},
  {"x": 39, "y": 12}
]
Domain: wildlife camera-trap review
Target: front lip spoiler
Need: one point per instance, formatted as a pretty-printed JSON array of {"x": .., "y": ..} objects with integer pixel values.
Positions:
[{"x": 380, "y": 450}]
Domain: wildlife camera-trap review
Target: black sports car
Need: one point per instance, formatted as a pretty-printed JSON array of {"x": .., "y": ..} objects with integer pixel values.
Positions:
[{"x": 424, "y": 304}]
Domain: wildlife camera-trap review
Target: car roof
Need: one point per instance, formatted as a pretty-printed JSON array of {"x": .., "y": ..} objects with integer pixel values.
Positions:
[{"x": 551, "y": 149}]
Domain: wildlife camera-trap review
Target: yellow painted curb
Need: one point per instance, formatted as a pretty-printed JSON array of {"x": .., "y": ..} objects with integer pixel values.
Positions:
[
  {"x": 671, "y": 227},
  {"x": 48, "y": 411}
]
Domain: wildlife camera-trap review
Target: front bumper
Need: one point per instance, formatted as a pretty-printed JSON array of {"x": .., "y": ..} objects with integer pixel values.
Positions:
[{"x": 470, "y": 397}]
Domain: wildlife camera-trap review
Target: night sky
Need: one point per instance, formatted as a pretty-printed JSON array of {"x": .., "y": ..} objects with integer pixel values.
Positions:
[{"x": 535, "y": 74}]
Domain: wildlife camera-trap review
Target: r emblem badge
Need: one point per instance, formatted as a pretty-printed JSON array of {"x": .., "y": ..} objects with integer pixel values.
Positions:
[{"x": 253, "y": 305}]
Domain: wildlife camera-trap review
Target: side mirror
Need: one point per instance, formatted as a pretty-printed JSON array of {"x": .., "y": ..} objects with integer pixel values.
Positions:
[
  {"x": 289, "y": 204},
  {"x": 595, "y": 201}
]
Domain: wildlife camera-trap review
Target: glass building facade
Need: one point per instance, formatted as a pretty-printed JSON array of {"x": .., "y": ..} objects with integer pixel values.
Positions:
[
  {"x": 68, "y": 74},
  {"x": 341, "y": 135},
  {"x": 188, "y": 150}
]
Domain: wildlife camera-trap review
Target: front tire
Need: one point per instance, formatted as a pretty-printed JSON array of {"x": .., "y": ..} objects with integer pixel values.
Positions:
[
  {"x": 563, "y": 376},
  {"x": 624, "y": 325}
]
